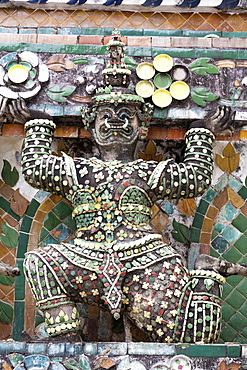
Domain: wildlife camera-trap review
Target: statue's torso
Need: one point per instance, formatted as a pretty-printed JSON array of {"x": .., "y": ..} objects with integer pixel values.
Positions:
[{"x": 112, "y": 200}]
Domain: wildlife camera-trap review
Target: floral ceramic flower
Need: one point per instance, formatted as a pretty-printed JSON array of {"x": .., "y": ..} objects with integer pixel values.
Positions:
[{"x": 21, "y": 75}]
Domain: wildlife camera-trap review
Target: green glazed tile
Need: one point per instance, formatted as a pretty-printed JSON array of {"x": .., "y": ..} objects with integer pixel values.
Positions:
[
  {"x": 214, "y": 234},
  {"x": 3, "y": 348},
  {"x": 131, "y": 32},
  {"x": 20, "y": 282},
  {"x": 44, "y": 48},
  {"x": 228, "y": 333},
  {"x": 243, "y": 192},
  {"x": 235, "y": 299},
  {"x": 54, "y": 110},
  {"x": 72, "y": 110},
  {"x": 14, "y": 46},
  {"x": 62, "y": 210},
  {"x": 235, "y": 184},
  {"x": 213, "y": 253},
  {"x": 108, "y": 31},
  {"x": 56, "y": 349},
  {"x": 19, "y": 347},
  {"x": 227, "y": 311},
  {"x": 203, "y": 207},
  {"x": 51, "y": 221},
  {"x": 231, "y": 255},
  {"x": 221, "y": 183},
  {"x": 36, "y": 348},
  {"x": 27, "y": 31},
  {"x": 19, "y": 311},
  {"x": 43, "y": 234},
  {"x": 139, "y": 51},
  {"x": 240, "y": 223},
  {"x": 234, "y": 34},
  {"x": 237, "y": 321},
  {"x": 90, "y": 349},
  {"x": 32, "y": 208},
  {"x": 92, "y": 31},
  {"x": 46, "y": 30},
  {"x": 198, "y": 221},
  {"x": 72, "y": 349},
  {"x": 162, "y": 32},
  {"x": 86, "y": 49},
  {"x": 242, "y": 54},
  {"x": 26, "y": 224},
  {"x": 190, "y": 33},
  {"x": 233, "y": 350},
  {"x": 4, "y": 204},
  {"x": 216, "y": 53},
  {"x": 243, "y": 260},
  {"x": 234, "y": 280},
  {"x": 69, "y": 31},
  {"x": 242, "y": 288},
  {"x": 209, "y": 195},
  {"x": 9, "y": 30},
  {"x": 22, "y": 244},
  {"x": 70, "y": 222},
  {"x": 202, "y": 350},
  {"x": 159, "y": 113},
  {"x": 231, "y": 234},
  {"x": 241, "y": 243},
  {"x": 243, "y": 309},
  {"x": 195, "y": 235},
  {"x": 227, "y": 289},
  {"x": 241, "y": 339},
  {"x": 229, "y": 212},
  {"x": 174, "y": 52},
  {"x": 244, "y": 333}
]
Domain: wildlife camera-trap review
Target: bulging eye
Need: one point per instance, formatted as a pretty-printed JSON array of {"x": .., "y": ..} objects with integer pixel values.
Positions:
[
  {"x": 106, "y": 115},
  {"x": 123, "y": 115}
]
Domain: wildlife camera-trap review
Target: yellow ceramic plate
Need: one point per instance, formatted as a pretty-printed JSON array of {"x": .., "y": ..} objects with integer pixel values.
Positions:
[
  {"x": 145, "y": 89},
  {"x": 179, "y": 90},
  {"x": 145, "y": 71},
  {"x": 18, "y": 73},
  {"x": 163, "y": 63},
  {"x": 162, "y": 98}
]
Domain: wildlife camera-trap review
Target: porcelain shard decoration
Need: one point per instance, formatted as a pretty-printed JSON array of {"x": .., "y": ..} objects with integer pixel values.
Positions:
[
  {"x": 21, "y": 75},
  {"x": 116, "y": 260}
]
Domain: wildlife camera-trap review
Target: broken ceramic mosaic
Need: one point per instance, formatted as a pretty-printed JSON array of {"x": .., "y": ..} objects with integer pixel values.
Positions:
[{"x": 117, "y": 261}]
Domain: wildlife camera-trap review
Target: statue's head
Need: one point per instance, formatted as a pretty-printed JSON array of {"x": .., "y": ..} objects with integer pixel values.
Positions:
[{"x": 118, "y": 115}]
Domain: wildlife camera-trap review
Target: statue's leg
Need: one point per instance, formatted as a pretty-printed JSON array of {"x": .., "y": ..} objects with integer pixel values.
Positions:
[
  {"x": 153, "y": 296},
  {"x": 49, "y": 286},
  {"x": 171, "y": 305},
  {"x": 199, "y": 310}
]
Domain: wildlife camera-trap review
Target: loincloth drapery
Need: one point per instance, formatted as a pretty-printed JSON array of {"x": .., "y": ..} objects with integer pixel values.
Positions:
[{"x": 90, "y": 270}]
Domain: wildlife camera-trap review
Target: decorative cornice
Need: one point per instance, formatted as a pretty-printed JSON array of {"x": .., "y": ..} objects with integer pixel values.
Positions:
[{"x": 133, "y": 5}]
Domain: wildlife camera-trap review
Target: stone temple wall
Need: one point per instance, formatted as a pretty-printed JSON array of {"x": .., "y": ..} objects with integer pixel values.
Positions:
[{"x": 215, "y": 224}]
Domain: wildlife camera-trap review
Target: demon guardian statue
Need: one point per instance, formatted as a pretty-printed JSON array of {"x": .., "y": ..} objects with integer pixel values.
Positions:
[{"x": 116, "y": 259}]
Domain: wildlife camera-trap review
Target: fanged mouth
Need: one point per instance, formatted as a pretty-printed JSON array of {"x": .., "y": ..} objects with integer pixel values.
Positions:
[{"x": 108, "y": 129}]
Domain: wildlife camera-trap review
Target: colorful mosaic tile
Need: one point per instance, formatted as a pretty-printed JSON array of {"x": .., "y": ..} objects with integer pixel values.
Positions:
[{"x": 228, "y": 242}]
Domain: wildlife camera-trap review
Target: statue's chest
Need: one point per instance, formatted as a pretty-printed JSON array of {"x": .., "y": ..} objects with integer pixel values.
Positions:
[{"x": 111, "y": 195}]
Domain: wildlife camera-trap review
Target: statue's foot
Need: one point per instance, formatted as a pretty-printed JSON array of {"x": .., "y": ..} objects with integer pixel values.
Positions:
[
  {"x": 67, "y": 337},
  {"x": 224, "y": 268}
]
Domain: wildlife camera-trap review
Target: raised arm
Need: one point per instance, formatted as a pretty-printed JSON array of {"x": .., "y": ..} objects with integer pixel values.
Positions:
[
  {"x": 41, "y": 169},
  {"x": 192, "y": 177}
]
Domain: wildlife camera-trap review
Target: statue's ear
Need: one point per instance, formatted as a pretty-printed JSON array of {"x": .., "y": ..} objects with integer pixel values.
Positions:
[
  {"x": 145, "y": 114},
  {"x": 143, "y": 133},
  {"x": 88, "y": 116}
]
